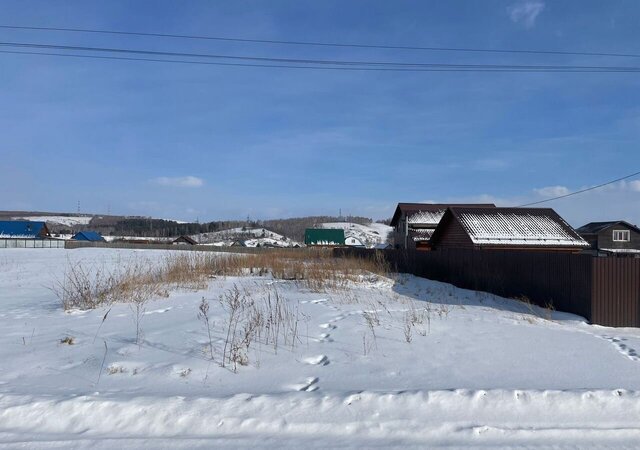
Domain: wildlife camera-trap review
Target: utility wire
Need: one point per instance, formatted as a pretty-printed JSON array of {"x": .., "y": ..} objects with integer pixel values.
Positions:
[
  {"x": 581, "y": 190},
  {"x": 209, "y": 63},
  {"x": 395, "y": 65},
  {"x": 322, "y": 44}
]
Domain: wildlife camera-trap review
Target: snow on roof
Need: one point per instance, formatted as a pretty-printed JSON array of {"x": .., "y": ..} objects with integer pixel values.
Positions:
[
  {"x": 22, "y": 229},
  {"x": 536, "y": 227},
  {"x": 421, "y": 235},
  {"x": 410, "y": 208},
  {"x": 426, "y": 217}
]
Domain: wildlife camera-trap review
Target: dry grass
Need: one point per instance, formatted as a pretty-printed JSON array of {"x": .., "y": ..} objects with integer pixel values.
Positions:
[{"x": 137, "y": 281}]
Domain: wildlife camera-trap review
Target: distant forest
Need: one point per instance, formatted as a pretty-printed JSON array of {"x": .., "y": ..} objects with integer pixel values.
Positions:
[{"x": 292, "y": 228}]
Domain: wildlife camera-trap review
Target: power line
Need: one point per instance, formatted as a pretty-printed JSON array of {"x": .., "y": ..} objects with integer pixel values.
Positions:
[
  {"x": 361, "y": 64},
  {"x": 323, "y": 44},
  {"x": 122, "y": 58},
  {"x": 281, "y": 66},
  {"x": 581, "y": 190}
]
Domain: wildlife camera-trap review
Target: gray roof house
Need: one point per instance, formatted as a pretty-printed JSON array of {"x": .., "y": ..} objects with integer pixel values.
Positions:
[{"x": 612, "y": 238}]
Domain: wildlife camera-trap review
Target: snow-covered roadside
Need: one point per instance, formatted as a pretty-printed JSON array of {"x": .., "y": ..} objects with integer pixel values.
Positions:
[
  {"x": 482, "y": 371},
  {"x": 436, "y": 418}
]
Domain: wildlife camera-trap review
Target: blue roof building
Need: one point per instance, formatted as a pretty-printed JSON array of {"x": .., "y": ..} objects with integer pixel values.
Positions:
[
  {"x": 92, "y": 236},
  {"x": 23, "y": 229}
]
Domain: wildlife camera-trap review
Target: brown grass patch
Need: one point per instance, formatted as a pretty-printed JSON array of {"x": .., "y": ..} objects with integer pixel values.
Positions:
[{"x": 85, "y": 287}]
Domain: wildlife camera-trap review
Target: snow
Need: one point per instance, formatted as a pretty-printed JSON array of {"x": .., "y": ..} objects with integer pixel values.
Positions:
[
  {"x": 421, "y": 234},
  {"x": 426, "y": 218},
  {"x": 368, "y": 235},
  {"x": 621, "y": 250},
  {"x": 252, "y": 237},
  {"x": 522, "y": 229},
  {"x": 484, "y": 371},
  {"x": 60, "y": 220},
  {"x": 17, "y": 236}
]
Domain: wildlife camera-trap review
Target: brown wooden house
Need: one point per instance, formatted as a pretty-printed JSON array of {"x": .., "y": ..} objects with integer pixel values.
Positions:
[{"x": 506, "y": 228}]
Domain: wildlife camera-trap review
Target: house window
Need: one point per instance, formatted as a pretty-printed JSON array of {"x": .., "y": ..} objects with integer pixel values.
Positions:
[{"x": 621, "y": 236}]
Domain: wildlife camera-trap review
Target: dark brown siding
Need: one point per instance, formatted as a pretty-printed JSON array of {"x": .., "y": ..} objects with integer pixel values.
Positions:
[
  {"x": 605, "y": 291},
  {"x": 605, "y": 238},
  {"x": 453, "y": 235},
  {"x": 616, "y": 292}
]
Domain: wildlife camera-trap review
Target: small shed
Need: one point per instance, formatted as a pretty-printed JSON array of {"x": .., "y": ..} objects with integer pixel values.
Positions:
[
  {"x": 506, "y": 228},
  {"x": 91, "y": 236},
  {"x": 615, "y": 237},
  {"x": 184, "y": 240},
  {"x": 324, "y": 237},
  {"x": 23, "y": 229}
]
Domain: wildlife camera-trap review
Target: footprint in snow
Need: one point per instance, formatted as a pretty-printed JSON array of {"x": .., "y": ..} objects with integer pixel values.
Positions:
[
  {"x": 324, "y": 337},
  {"x": 328, "y": 326},
  {"x": 310, "y": 385},
  {"x": 622, "y": 348},
  {"x": 320, "y": 360},
  {"x": 315, "y": 302},
  {"x": 158, "y": 311}
]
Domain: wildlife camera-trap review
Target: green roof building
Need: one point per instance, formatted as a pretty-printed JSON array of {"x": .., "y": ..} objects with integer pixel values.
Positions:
[{"x": 324, "y": 236}]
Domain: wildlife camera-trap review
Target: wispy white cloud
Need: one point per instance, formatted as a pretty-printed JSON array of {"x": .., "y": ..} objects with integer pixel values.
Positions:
[
  {"x": 188, "y": 181},
  {"x": 552, "y": 191},
  {"x": 526, "y": 12},
  {"x": 491, "y": 164},
  {"x": 634, "y": 185}
]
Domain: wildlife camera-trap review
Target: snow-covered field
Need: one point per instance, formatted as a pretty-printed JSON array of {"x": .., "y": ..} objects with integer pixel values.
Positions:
[
  {"x": 383, "y": 363},
  {"x": 369, "y": 235}
]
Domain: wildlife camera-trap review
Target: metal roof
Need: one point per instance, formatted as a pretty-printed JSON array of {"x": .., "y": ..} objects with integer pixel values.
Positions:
[
  {"x": 23, "y": 229},
  {"x": 413, "y": 208},
  {"x": 535, "y": 227},
  {"x": 324, "y": 236},
  {"x": 88, "y": 236}
]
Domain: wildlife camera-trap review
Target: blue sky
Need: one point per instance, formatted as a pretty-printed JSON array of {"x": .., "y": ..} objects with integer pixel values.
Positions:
[{"x": 210, "y": 142}]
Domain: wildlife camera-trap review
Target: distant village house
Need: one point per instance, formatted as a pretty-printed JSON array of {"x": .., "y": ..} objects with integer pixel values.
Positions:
[
  {"x": 184, "y": 240},
  {"x": 90, "y": 236},
  {"x": 612, "y": 238}
]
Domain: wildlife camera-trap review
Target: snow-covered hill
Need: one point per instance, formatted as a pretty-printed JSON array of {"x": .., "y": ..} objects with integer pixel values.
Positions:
[
  {"x": 250, "y": 237},
  {"x": 59, "y": 220},
  {"x": 369, "y": 235}
]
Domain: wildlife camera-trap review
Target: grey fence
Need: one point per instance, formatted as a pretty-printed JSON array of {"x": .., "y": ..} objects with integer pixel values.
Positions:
[{"x": 31, "y": 243}]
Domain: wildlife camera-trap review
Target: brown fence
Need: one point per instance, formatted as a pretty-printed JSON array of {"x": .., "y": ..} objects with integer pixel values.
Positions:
[{"x": 606, "y": 291}]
